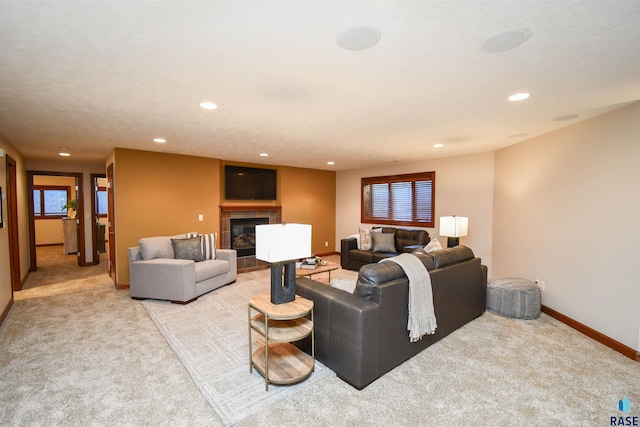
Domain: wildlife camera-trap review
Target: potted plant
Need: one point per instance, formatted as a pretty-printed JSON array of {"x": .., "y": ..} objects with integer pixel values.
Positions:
[{"x": 71, "y": 205}]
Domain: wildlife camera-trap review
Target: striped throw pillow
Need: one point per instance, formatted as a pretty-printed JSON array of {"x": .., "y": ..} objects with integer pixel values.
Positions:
[{"x": 209, "y": 245}]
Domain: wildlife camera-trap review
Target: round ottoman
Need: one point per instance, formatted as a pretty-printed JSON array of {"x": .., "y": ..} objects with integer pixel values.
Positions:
[{"x": 514, "y": 297}]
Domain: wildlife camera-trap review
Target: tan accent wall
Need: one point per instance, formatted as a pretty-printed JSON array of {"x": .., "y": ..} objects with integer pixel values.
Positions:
[
  {"x": 163, "y": 194},
  {"x": 160, "y": 194},
  {"x": 308, "y": 196}
]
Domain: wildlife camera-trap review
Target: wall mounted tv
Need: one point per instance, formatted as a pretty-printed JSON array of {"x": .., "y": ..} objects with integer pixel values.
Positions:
[{"x": 243, "y": 183}]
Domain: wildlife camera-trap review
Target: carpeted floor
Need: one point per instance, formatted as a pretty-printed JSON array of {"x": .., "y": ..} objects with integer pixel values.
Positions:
[{"x": 77, "y": 351}]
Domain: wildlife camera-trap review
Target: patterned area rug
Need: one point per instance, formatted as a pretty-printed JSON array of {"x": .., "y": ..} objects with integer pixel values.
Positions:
[{"x": 209, "y": 337}]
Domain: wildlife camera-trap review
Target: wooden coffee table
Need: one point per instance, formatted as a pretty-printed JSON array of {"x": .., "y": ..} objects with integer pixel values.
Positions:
[{"x": 328, "y": 267}]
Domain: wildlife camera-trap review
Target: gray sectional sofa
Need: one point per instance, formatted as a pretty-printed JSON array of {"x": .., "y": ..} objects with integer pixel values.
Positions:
[
  {"x": 362, "y": 336},
  {"x": 174, "y": 268}
]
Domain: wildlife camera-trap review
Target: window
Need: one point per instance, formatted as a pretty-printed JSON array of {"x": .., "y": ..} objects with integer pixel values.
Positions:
[
  {"x": 399, "y": 199},
  {"x": 49, "y": 200},
  {"x": 101, "y": 200}
]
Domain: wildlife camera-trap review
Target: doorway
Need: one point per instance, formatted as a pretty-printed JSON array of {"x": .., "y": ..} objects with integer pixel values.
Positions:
[
  {"x": 99, "y": 214},
  {"x": 45, "y": 206},
  {"x": 12, "y": 221}
]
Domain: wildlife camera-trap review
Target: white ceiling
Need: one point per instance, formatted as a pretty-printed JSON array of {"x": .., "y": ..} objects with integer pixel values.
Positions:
[{"x": 94, "y": 75}]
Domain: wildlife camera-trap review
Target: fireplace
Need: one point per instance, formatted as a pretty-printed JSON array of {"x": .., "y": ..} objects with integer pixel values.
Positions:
[
  {"x": 243, "y": 235},
  {"x": 256, "y": 214}
]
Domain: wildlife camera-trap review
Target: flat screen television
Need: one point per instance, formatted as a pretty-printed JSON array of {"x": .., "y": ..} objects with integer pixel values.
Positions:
[{"x": 244, "y": 183}]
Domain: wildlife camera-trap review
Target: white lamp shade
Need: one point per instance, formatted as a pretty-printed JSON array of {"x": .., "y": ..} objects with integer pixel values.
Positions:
[
  {"x": 454, "y": 226},
  {"x": 283, "y": 242}
]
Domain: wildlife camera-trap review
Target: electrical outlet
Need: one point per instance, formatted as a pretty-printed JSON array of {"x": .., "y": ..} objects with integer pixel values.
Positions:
[
  {"x": 326, "y": 244},
  {"x": 540, "y": 284},
  {"x": 200, "y": 217}
]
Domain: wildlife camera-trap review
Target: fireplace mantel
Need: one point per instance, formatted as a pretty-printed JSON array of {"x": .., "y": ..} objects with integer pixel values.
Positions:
[{"x": 249, "y": 208}]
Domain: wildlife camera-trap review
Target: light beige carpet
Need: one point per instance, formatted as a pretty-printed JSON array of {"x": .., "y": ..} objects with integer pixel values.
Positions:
[
  {"x": 210, "y": 337},
  {"x": 88, "y": 355}
]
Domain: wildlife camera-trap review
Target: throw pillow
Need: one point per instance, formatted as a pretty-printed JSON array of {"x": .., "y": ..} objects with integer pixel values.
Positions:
[
  {"x": 156, "y": 247},
  {"x": 357, "y": 237},
  {"x": 209, "y": 245},
  {"x": 434, "y": 245},
  {"x": 384, "y": 242},
  {"x": 188, "y": 249},
  {"x": 366, "y": 241}
]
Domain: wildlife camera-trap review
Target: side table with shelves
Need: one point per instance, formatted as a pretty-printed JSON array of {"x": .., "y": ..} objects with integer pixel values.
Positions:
[{"x": 279, "y": 361}]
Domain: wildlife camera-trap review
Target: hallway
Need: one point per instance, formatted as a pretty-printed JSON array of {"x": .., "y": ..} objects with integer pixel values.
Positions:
[{"x": 59, "y": 274}]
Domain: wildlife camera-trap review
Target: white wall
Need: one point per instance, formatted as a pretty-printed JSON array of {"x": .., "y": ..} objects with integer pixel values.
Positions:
[
  {"x": 567, "y": 211},
  {"x": 464, "y": 187}
]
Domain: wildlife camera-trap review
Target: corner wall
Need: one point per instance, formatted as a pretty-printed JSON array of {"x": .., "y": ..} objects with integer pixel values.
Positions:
[{"x": 566, "y": 211}]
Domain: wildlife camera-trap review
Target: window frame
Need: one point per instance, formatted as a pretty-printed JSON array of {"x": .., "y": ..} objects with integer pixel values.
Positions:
[
  {"x": 42, "y": 189},
  {"x": 98, "y": 214},
  {"x": 366, "y": 215}
]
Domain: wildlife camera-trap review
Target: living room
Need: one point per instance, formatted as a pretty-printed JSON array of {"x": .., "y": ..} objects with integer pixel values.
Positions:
[{"x": 559, "y": 206}]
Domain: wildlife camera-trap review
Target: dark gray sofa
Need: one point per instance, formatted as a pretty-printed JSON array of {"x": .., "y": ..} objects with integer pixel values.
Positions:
[
  {"x": 352, "y": 258},
  {"x": 362, "y": 336}
]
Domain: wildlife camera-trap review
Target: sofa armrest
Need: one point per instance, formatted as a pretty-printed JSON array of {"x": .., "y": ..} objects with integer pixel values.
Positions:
[
  {"x": 345, "y": 246},
  {"x": 163, "y": 278},
  {"x": 347, "y": 331},
  {"x": 227, "y": 255}
]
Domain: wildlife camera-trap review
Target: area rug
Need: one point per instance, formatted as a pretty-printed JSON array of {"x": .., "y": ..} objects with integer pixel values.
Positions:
[{"x": 210, "y": 337}]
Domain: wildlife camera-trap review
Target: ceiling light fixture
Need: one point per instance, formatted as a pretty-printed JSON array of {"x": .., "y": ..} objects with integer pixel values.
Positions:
[
  {"x": 64, "y": 152},
  {"x": 438, "y": 145},
  {"x": 358, "y": 37},
  {"x": 159, "y": 140},
  {"x": 331, "y": 163},
  {"x": 264, "y": 155},
  {"x": 519, "y": 96},
  {"x": 566, "y": 117},
  {"x": 208, "y": 105},
  {"x": 506, "y": 40}
]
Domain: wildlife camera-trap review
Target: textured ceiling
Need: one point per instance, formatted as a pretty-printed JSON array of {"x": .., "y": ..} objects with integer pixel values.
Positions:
[{"x": 94, "y": 75}]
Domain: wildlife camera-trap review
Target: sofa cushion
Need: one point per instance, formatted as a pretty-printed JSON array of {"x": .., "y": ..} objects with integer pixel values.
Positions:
[
  {"x": 384, "y": 242},
  {"x": 453, "y": 255},
  {"x": 188, "y": 249},
  {"x": 361, "y": 255},
  {"x": 406, "y": 237},
  {"x": 211, "y": 268},
  {"x": 156, "y": 247}
]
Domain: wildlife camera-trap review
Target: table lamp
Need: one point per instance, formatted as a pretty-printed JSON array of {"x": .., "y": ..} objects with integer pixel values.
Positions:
[
  {"x": 453, "y": 227},
  {"x": 281, "y": 245}
]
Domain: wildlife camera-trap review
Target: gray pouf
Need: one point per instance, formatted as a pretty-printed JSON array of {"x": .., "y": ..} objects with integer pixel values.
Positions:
[{"x": 514, "y": 297}]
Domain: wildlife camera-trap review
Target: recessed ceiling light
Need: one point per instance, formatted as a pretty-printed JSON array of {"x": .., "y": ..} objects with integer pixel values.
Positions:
[
  {"x": 505, "y": 41},
  {"x": 208, "y": 105},
  {"x": 519, "y": 96},
  {"x": 159, "y": 140},
  {"x": 331, "y": 163},
  {"x": 264, "y": 155},
  {"x": 359, "y": 37},
  {"x": 64, "y": 152},
  {"x": 565, "y": 117},
  {"x": 438, "y": 145}
]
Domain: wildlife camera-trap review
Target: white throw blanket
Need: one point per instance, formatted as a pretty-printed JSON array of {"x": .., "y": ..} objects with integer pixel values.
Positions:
[{"x": 422, "y": 318}]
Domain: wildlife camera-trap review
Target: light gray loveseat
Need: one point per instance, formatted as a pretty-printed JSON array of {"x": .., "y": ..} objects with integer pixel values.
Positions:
[{"x": 158, "y": 271}]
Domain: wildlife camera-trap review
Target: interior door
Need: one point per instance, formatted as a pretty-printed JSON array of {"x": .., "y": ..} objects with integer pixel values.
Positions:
[
  {"x": 111, "y": 225},
  {"x": 12, "y": 221}
]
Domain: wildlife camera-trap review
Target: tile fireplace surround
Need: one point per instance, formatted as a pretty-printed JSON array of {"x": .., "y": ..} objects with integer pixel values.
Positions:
[{"x": 274, "y": 214}]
